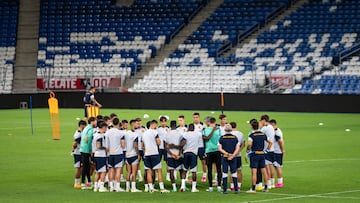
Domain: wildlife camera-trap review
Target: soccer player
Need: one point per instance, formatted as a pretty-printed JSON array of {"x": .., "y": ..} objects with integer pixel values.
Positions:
[
  {"x": 151, "y": 142},
  {"x": 76, "y": 153},
  {"x": 100, "y": 151},
  {"x": 256, "y": 150},
  {"x": 124, "y": 127},
  {"x": 240, "y": 136},
  {"x": 199, "y": 127},
  {"x": 190, "y": 141},
  {"x": 89, "y": 100},
  {"x": 115, "y": 143},
  {"x": 182, "y": 126},
  {"x": 140, "y": 130},
  {"x": 108, "y": 122},
  {"x": 172, "y": 142},
  {"x": 223, "y": 121},
  {"x": 163, "y": 130},
  {"x": 211, "y": 136},
  {"x": 229, "y": 147},
  {"x": 132, "y": 157},
  {"x": 86, "y": 150},
  {"x": 279, "y": 151},
  {"x": 124, "y": 124},
  {"x": 269, "y": 157}
]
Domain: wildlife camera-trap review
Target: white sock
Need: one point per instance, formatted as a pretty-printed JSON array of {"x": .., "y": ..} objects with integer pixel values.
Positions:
[
  {"x": 107, "y": 177},
  {"x": 127, "y": 185},
  {"x": 272, "y": 181},
  {"x": 96, "y": 185},
  {"x": 77, "y": 181},
  {"x": 231, "y": 185},
  {"x": 133, "y": 185},
  {"x": 101, "y": 185},
  {"x": 167, "y": 174},
  {"x": 259, "y": 185},
  {"x": 268, "y": 182},
  {"x": 151, "y": 186},
  {"x": 193, "y": 185},
  {"x": 139, "y": 174},
  {"x": 146, "y": 186},
  {"x": 239, "y": 185},
  {"x": 117, "y": 185},
  {"x": 183, "y": 182},
  {"x": 161, "y": 185},
  {"x": 204, "y": 175},
  {"x": 111, "y": 184},
  {"x": 174, "y": 186},
  {"x": 280, "y": 180}
]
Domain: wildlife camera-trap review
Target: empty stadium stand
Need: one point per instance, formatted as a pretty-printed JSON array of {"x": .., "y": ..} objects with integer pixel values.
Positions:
[
  {"x": 88, "y": 38},
  {"x": 193, "y": 67},
  {"x": 8, "y": 27},
  {"x": 301, "y": 46}
]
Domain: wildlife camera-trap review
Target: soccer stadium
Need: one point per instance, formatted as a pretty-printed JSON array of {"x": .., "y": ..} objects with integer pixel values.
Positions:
[{"x": 180, "y": 100}]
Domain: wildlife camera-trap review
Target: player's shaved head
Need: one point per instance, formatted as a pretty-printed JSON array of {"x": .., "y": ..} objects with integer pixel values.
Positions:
[
  {"x": 191, "y": 127},
  {"x": 173, "y": 124}
]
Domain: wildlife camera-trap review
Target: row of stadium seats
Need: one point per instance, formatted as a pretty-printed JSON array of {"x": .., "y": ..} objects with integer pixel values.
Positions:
[
  {"x": 98, "y": 34},
  {"x": 301, "y": 45},
  {"x": 342, "y": 80},
  {"x": 217, "y": 34},
  {"x": 8, "y": 29}
]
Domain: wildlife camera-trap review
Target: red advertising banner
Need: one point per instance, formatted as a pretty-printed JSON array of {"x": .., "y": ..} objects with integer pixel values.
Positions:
[
  {"x": 285, "y": 81},
  {"x": 77, "y": 83}
]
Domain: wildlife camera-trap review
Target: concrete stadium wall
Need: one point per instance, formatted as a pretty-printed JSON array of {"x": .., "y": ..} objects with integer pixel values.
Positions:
[{"x": 242, "y": 102}]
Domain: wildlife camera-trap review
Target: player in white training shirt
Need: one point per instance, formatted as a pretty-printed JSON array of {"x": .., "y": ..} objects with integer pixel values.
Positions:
[
  {"x": 140, "y": 130},
  {"x": 279, "y": 152},
  {"x": 199, "y": 127},
  {"x": 116, "y": 142},
  {"x": 190, "y": 150},
  {"x": 150, "y": 143},
  {"x": 100, "y": 151},
  {"x": 182, "y": 127},
  {"x": 269, "y": 156},
  {"x": 223, "y": 122},
  {"x": 172, "y": 146},
  {"x": 76, "y": 153},
  {"x": 163, "y": 130},
  {"x": 132, "y": 157}
]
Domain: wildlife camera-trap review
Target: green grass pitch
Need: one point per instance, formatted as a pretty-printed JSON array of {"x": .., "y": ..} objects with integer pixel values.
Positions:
[{"x": 321, "y": 165}]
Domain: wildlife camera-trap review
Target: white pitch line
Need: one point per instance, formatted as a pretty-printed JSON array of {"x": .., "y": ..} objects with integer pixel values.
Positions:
[{"x": 297, "y": 196}]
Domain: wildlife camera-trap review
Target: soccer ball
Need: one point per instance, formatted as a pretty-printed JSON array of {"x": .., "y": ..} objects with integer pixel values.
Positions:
[{"x": 146, "y": 116}]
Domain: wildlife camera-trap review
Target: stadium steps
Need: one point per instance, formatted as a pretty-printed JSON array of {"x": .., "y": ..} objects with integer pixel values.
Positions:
[
  {"x": 293, "y": 7},
  {"x": 26, "y": 46},
  {"x": 192, "y": 26}
]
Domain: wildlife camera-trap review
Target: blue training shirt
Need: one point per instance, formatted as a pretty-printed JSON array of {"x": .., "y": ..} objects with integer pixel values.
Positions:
[
  {"x": 228, "y": 142},
  {"x": 258, "y": 139}
]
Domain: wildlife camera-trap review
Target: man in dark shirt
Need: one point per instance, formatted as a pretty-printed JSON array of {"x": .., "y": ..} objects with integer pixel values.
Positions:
[
  {"x": 229, "y": 147},
  {"x": 256, "y": 151}
]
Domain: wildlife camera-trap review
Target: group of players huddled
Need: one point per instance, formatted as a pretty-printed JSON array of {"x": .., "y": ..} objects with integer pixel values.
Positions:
[{"x": 107, "y": 144}]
